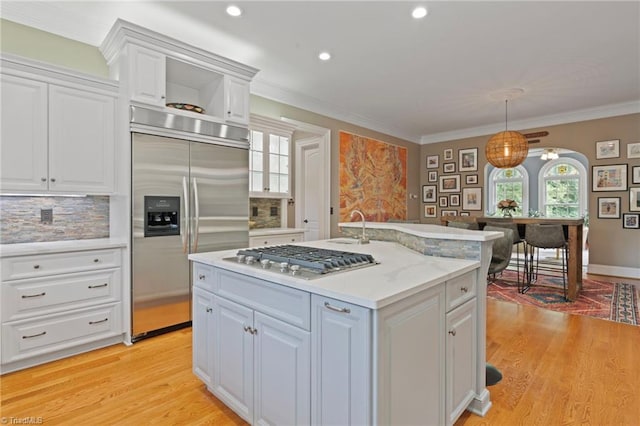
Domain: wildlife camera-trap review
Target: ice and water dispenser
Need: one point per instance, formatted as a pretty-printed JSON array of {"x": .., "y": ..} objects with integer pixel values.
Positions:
[{"x": 162, "y": 216}]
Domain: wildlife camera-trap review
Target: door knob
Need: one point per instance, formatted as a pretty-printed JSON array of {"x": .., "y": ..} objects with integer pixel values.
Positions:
[{"x": 305, "y": 221}]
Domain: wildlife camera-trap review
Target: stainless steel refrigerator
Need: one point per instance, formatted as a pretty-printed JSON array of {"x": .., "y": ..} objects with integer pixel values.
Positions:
[{"x": 187, "y": 197}]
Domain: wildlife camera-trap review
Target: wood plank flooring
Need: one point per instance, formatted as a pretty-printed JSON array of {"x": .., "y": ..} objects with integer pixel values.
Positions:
[{"x": 558, "y": 369}]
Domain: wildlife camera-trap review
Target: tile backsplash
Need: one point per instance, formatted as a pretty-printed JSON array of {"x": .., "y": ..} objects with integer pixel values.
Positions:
[
  {"x": 74, "y": 218},
  {"x": 265, "y": 213}
]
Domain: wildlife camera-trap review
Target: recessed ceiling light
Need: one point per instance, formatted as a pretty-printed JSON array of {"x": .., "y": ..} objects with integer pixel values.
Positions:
[
  {"x": 419, "y": 12},
  {"x": 324, "y": 56},
  {"x": 234, "y": 10}
]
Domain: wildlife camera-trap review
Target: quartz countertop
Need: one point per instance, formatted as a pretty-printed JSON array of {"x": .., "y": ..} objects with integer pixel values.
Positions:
[
  {"x": 261, "y": 232},
  {"x": 428, "y": 231},
  {"x": 401, "y": 273},
  {"x": 23, "y": 249}
]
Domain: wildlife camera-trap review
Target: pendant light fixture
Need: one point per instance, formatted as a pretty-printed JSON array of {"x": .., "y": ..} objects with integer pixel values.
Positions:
[{"x": 506, "y": 149}]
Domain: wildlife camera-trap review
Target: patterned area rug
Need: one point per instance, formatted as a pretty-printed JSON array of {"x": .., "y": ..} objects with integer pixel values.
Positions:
[{"x": 600, "y": 299}]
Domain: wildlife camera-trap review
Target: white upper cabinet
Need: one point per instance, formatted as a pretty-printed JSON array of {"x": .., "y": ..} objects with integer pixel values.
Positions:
[
  {"x": 156, "y": 70},
  {"x": 148, "y": 76},
  {"x": 23, "y": 152},
  {"x": 58, "y": 130}
]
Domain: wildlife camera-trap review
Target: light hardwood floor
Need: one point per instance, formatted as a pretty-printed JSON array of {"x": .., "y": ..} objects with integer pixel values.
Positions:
[{"x": 558, "y": 369}]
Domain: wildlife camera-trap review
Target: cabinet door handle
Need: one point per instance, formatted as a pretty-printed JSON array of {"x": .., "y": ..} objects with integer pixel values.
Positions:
[
  {"x": 28, "y": 296},
  {"x": 464, "y": 289},
  {"x": 53, "y": 179},
  {"x": 162, "y": 97},
  {"x": 36, "y": 266},
  {"x": 43, "y": 179},
  {"x": 254, "y": 331},
  {"x": 209, "y": 309},
  {"x": 452, "y": 332},
  {"x": 201, "y": 277},
  {"x": 34, "y": 335},
  {"x": 98, "y": 322},
  {"x": 247, "y": 328},
  {"x": 336, "y": 309},
  {"x": 97, "y": 285},
  {"x": 96, "y": 260}
]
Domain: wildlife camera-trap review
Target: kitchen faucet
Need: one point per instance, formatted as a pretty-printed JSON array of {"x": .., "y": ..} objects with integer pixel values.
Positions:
[{"x": 363, "y": 239}]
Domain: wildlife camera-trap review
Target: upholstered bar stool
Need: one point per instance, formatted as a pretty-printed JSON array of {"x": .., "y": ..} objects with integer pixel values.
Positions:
[
  {"x": 502, "y": 249},
  {"x": 548, "y": 236},
  {"x": 463, "y": 225},
  {"x": 517, "y": 241}
]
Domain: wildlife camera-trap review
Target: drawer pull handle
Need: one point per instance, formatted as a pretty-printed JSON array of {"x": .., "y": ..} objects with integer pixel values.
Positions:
[
  {"x": 464, "y": 289},
  {"x": 98, "y": 285},
  {"x": 333, "y": 308},
  {"x": 247, "y": 328},
  {"x": 96, "y": 260},
  {"x": 36, "y": 266},
  {"x": 98, "y": 322},
  {"x": 34, "y": 335},
  {"x": 28, "y": 296},
  {"x": 201, "y": 277},
  {"x": 211, "y": 310},
  {"x": 452, "y": 332}
]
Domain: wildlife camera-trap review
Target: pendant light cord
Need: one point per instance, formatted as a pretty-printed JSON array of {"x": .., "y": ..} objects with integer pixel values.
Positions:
[{"x": 505, "y": 114}]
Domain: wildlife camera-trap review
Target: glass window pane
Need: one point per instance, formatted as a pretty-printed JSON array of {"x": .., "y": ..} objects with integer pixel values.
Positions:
[
  {"x": 256, "y": 182},
  {"x": 256, "y": 141},
  {"x": 256, "y": 161},
  {"x": 274, "y": 185},
  {"x": 274, "y": 144},
  {"x": 284, "y": 164},
  {"x": 274, "y": 163},
  {"x": 284, "y": 183},
  {"x": 284, "y": 145}
]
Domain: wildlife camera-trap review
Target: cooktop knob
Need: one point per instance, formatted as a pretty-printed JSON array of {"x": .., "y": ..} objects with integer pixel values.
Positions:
[
  {"x": 266, "y": 263},
  {"x": 295, "y": 269},
  {"x": 250, "y": 260},
  {"x": 240, "y": 258},
  {"x": 284, "y": 267}
]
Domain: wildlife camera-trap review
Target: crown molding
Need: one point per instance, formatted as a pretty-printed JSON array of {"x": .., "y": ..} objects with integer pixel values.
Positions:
[
  {"x": 542, "y": 121},
  {"x": 270, "y": 91}
]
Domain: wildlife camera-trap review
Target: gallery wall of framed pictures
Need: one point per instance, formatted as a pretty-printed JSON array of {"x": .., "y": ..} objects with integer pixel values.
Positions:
[{"x": 617, "y": 176}]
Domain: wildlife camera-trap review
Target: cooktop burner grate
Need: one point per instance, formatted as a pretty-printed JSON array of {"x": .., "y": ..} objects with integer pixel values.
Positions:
[{"x": 317, "y": 260}]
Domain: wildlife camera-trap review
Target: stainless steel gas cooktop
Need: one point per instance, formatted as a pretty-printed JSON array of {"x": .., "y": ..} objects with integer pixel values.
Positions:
[{"x": 303, "y": 262}]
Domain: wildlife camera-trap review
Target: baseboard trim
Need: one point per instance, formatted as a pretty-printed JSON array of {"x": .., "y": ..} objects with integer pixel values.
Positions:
[{"x": 614, "y": 271}]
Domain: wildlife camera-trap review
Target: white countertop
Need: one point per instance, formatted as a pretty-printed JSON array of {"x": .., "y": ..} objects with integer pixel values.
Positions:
[
  {"x": 428, "y": 231},
  {"x": 23, "y": 249},
  {"x": 401, "y": 273},
  {"x": 262, "y": 232}
]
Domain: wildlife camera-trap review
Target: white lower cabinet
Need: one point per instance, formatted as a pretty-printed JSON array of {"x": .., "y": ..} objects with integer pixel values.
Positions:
[
  {"x": 203, "y": 321},
  {"x": 59, "y": 304},
  {"x": 461, "y": 358}
]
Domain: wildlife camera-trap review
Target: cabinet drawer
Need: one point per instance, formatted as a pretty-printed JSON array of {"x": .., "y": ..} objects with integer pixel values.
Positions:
[
  {"x": 270, "y": 240},
  {"x": 58, "y": 263},
  {"x": 204, "y": 276},
  {"x": 285, "y": 303},
  {"x": 23, "y": 339},
  {"x": 460, "y": 289},
  {"x": 46, "y": 295}
]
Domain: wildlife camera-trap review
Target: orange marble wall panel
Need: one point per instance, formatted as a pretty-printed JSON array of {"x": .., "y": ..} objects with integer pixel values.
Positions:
[{"x": 373, "y": 179}]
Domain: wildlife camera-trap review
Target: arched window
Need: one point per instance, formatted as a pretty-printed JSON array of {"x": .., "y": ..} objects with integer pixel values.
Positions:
[
  {"x": 510, "y": 184},
  {"x": 563, "y": 188}
]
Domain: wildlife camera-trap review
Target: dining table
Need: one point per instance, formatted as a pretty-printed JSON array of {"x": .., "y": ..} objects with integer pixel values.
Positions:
[{"x": 572, "y": 226}]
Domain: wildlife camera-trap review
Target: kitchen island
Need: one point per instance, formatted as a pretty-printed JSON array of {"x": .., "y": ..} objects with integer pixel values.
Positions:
[{"x": 395, "y": 342}]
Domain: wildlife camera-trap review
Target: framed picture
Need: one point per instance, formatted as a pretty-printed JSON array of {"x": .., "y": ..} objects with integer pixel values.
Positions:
[
  {"x": 449, "y": 212},
  {"x": 631, "y": 220},
  {"x": 634, "y": 199},
  {"x": 635, "y": 174},
  {"x": 432, "y": 161},
  {"x": 450, "y": 183},
  {"x": 449, "y": 167},
  {"x": 468, "y": 159},
  {"x": 633, "y": 150},
  {"x": 448, "y": 154},
  {"x": 430, "y": 210},
  {"x": 608, "y": 149},
  {"x": 471, "y": 179},
  {"x": 472, "y": 199},
  {"x": 610, "y": 178},
  {"x": 465, "y": 214},
  {"x": 454, "y": 200},
  {"x": 609, "y": 208},
  {"x": 428, "y": 193},
  {"x": 433, "y": 176},
  {"x": 443, "y": 202}
]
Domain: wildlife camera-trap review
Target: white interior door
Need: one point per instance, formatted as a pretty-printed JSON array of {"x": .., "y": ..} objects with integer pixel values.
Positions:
[{"x": 312, "y": 181}]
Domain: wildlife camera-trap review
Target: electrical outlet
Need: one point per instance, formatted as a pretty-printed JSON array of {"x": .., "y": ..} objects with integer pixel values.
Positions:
[{"x": 46, "y": 215}]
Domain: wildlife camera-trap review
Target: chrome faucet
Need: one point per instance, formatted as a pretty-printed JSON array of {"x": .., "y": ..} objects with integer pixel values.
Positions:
[{"x": 363, "y": 239}]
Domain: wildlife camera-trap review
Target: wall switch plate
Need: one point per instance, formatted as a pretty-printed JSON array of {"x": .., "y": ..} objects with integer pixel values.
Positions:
[{"x": 46, "y": 215}]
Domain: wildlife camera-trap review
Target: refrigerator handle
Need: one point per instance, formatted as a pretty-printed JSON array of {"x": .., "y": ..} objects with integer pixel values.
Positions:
[
  {"x": 185, "y": 231},
  {"x": 196, "y": 231}
]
